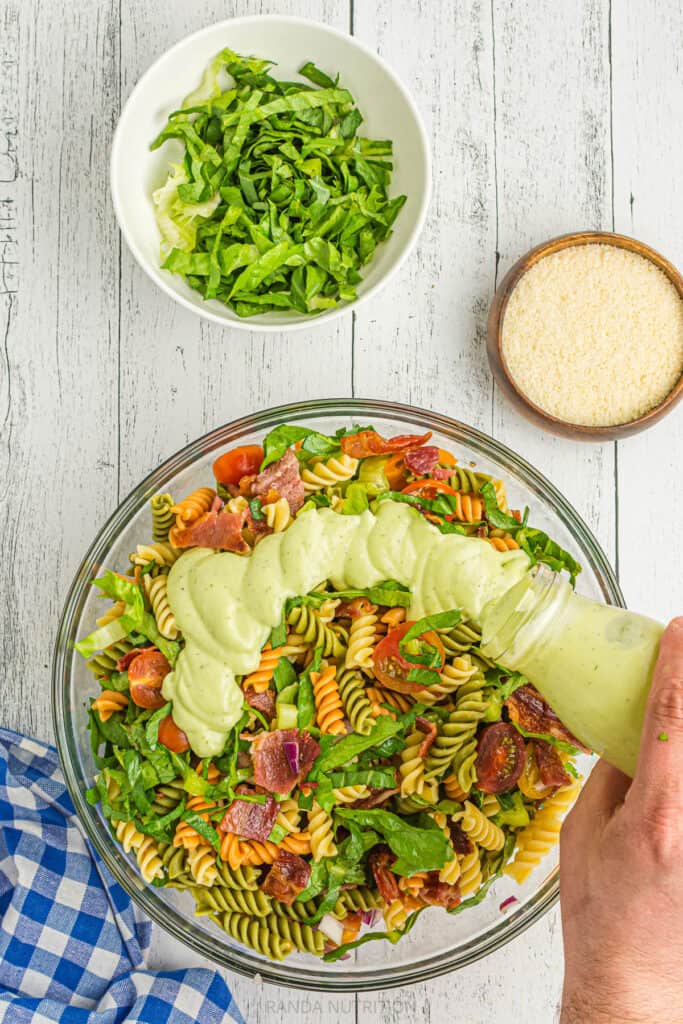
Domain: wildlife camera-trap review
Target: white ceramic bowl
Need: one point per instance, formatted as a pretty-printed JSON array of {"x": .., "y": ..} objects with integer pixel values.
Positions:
[{"x": 388, "y": 109}]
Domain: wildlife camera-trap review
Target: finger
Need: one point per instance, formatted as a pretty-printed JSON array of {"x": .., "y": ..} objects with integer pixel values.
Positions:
[
  {"x": 603, "y": 793},
  {"x": 659, "y": 774}
]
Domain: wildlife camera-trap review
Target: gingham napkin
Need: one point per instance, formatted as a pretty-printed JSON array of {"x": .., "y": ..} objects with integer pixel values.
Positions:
[{"x": 71, "y": 942}]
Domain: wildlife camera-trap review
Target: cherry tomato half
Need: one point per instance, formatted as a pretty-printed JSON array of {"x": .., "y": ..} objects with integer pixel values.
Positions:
[
  {"x": 392, "y": 669},
  {"x": 445, "y": 458},
  {"x": 501, "y": 753},
  {"x": 395, "y": 472},
  {"x": 172, "y": 737},
  {"x": 146, "y": 673},
  {"x": 231, "y": 466}
]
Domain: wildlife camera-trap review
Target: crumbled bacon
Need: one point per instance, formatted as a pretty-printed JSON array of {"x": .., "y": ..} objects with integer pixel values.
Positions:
[
  {"x": 430, "y": 731},
  {"x": 550, "y": 767},
  {"x": 527, "y": 708},
  {"x": 439, "y": 894},
  {"x": 461, "y": 842},
  {"x": 369, "y": 442},
  {"x": 376, "y": 798},
  {"x": 250, "y": 820},
  {"x": 422, "y": 461},
  {"x": 263, "y": 702},
  {"x": 353, "y": 609},
  {"x": 220, "y": 530},
  {"x": 381, "y": 860},
  {"x": 282, "y": 476},
  {"x": 272, "y": 769},
  {"x": 287, "y": 877}
]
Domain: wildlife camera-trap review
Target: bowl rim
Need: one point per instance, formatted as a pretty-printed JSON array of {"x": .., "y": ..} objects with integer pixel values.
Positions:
[
  {"x": 498, "y": 363},
  {"x": 299, "y": 321},
  {"x": 245, "y": 962}
]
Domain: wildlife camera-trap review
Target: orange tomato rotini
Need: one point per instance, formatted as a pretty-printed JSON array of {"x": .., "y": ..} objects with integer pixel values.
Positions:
[
  {"x": 297, "y": 842},
  {"x": 185, "y": 835},
  {"x": 193, "y": 506},
  {"x": 377, "y": 696},
  {"x": 503, "y": 543},
  {"x": 328, "y": 704},
  {"x": 108, "y": 702},
  {"x": 259, "y": 680},
  {"x": 413, "y": 884},
  {"x": 238, "y": 852},
  {"x": 469, "y": 508},
  {"x": 454, "y": 790}
]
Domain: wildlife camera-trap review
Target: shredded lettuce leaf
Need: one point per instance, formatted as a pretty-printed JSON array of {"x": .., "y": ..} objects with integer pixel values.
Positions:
[{"x": 278, "y": 203}]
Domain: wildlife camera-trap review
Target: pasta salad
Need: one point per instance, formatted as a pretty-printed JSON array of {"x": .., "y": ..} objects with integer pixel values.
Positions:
[{"x": 359, "y": 760}]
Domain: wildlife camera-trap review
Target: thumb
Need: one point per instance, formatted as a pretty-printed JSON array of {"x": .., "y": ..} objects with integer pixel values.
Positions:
[{"x": 659, "y": 774}]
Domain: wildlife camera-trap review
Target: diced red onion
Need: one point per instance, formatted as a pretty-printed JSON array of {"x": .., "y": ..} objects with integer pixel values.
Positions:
[
  {"x": 368, "y": 917},
  {"x": 508, "y": 903},
  {"x": 333, "y": 928},
  {"x": 291, "y": 749}
]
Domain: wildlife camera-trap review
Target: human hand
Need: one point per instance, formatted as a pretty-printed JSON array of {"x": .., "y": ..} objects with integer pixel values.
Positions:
[{"x": 621, "y": 861}]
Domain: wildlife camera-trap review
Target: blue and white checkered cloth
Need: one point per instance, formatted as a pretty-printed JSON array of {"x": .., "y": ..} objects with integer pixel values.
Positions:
[{"x": 72, "y": 943}]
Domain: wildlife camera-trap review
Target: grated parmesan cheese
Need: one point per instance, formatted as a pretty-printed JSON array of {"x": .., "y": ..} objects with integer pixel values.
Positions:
[{"x": 593, "y": 335}]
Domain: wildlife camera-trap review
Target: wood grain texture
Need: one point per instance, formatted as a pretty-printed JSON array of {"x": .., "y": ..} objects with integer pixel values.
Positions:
[
  {"x": 647, "y": 72},
  {"x": 422, "y": 340},
  {"x": 544, "y": 118},
  {"x": 58, "y": 304},
  {"x": 553, "y": 164}
]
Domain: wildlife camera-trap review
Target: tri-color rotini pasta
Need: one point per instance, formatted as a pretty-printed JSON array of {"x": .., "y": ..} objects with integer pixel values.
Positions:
[{"x": 359, "y": 722}]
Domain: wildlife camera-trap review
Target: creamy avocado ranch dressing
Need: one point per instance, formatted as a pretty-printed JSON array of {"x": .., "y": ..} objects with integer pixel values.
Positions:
[{"x": 226, "y": 604}]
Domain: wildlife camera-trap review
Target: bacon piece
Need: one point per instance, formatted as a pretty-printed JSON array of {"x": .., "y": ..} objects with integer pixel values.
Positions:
[
  {"x": 462, "y": 844},
  {"x": 381, "y": 860},
  {"x": 123, "y": 663},
  {"x": 439, "y": 894},
  {"x": 282, "y": 476},
  {"x": 252, "y": 821},
  {"x": 272, "y": 769},
  {"x": 527, "y": 708},
  {"x": 220, "y": 530},
  {"x": 369, "y": 442},
  {"x": 287, "y": 877},
  {"x": 550, "y": 767},
  {"x": 421, "y": 461},
  {"x": 430, "y": 730},
  {"x": 259, "y": 527},
  {"x": 376, "y": 798},
  {"x": 263, "y": 702},
  {"x": 353, "y": 609}
]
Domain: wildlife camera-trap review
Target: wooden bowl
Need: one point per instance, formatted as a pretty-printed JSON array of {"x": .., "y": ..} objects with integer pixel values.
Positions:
[{"x": 499, "y": 367}]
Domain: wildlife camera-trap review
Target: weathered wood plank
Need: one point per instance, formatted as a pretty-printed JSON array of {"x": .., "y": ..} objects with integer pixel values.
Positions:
[
  {"x": 421, "y": 340},
  {"x": 59, "y": 310},
  {"x": 554, "y": 175},
  {"x": 647, "y": 71}
]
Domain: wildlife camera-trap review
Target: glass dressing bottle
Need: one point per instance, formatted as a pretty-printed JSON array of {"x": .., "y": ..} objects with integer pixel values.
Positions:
[{"x": 592, "y": 662}]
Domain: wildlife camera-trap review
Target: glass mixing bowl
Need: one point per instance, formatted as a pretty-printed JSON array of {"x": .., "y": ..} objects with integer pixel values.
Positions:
[{"x": 439, "y": 942}]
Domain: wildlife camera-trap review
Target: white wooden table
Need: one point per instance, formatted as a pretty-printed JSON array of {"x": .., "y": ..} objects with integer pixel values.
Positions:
[{"x": 545, "y": 116}]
